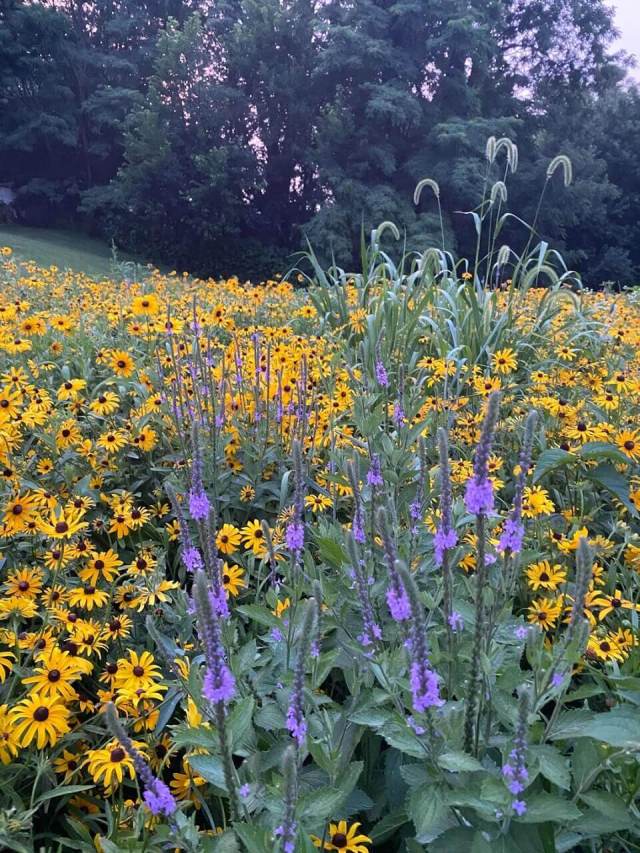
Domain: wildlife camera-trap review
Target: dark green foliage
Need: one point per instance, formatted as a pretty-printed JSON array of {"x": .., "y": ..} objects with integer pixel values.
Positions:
[{"x": 200, "y": 133}]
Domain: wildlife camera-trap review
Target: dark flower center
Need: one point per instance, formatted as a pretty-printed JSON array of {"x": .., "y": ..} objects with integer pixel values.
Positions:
[
  {"x": 339, "y": 840},
  {"x": 54, "y": 675},
  {"x": 41, "y": 714},
  {"x": 138, "y": 671},
  {"x": 117, "y": 754},
  {"x": 61, "y": 527}
]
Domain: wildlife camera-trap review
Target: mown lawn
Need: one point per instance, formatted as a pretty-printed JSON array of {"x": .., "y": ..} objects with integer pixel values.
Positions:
[{"x": 64, "y": 249}]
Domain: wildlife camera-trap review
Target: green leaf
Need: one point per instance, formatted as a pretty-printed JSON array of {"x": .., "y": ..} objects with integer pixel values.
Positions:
[
  {"x": 549, "y": 460},
  {"x": 210, "y": 768},
  {"x": 429, "y": 812},
  {"x": 619, "y": 727},
  {"x": 606, "y": 476},
  {"x": 602, "y": 450},
  {"x": 61, "y": 791},
  {"x": 323, "y": 803},
  {"x": 609, "y": 805},
  {"x": 255, "y": 839},
  {"x": 331, "y": 552},
  {"x": 239, "y": 720},
  {"x": 459, "y": 762},
  {"x": 553, "y": 766},
  {"x": 259, "y": 614},
  {"x": 388, "y": 826},
  {"x": 543, "y": 807}
]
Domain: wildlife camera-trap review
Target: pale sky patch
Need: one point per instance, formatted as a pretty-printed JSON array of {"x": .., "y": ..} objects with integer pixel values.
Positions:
[{"x": 628, "y": 22}]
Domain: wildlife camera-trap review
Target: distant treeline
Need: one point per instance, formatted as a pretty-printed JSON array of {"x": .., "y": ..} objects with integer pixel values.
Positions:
[{"x": 214, "y": 135}]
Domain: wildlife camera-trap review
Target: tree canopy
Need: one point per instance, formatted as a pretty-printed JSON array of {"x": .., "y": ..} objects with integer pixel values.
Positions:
[{"x": 217, "y": 136}]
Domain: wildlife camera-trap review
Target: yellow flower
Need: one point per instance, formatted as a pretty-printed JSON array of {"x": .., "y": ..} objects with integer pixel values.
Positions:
[
  {"x": 121, "y": 363},
  {"x": 41, "y": 719},
  {"x": 281, "y": 607},
  {"x": 57, "y": 671},
  {"x": 105, "y": 404},
  {"x": 253, "y": 537},
  {"x": 62, "y": 523},
  {"x": 8, "y": 740},
  {"x": 232, "y": 579},
  {"x": 504, "y": 361},
  {"x": 544, "y": 575},
  {"x": 111, "y": 764},
  {"x": 629, "y": 443},
  {"x": 343, "y": 837},
  {"x": 146, "y": 306},
  {"x": 136, "y": 671},
  {"x": 544, "y": 612},
  {"x": 228, "y": 539},
  {"x": 70, "y": 390},
  {"x": 536, "y": 501},
  {"x": 318, "y": 503}
]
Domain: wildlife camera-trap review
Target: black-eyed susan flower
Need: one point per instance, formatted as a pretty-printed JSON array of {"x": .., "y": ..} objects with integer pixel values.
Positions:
[
  {"x": 228, "y": 539},
  {"x": 40, "y": 719},
  {"x": 232, "y": 579},
  {"x": 341, "y": 836},
  {"x": 544, "y": 613},
  {"x": 543, "y": 575},
  {"x": 111, "y": 764},
  {"x": 62, "y": 523}
]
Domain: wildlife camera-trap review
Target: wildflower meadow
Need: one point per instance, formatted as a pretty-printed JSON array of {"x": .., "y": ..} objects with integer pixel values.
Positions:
[{"x": 342, "y": 560}]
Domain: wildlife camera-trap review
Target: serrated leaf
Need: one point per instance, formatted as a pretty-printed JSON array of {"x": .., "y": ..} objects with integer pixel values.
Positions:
[
  {"x": 255, "y": 839},
  {"x": 388, "y": 826},
  {"x": 459, "y": 762},
  {"x": 323, "y": 803},
  {"x": 553, "y": 766},
  {"x": 609, "y": 805},
  {"x": 429, "y": 812},
  {"x": 210, "y": 768},
  {"x": 543, "y": 807},
  {"x": 619, "y": 727}
]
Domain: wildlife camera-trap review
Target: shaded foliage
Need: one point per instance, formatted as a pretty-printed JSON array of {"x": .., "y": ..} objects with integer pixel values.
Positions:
[{"x": 183, "y": 128}]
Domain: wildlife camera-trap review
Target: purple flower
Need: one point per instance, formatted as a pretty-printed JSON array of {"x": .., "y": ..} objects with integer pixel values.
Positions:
[
  {"x": 244, "y": 790},
  {"x": 219, "y": 685},
  {"x": 398, "y": 413},
  {"x": 398, "y": 602},
  {"x": 357, "y": 528},
  {"x": 424, "y": 686},
  {"x": 512, "y": 536},
  {"x": 219, "y": 603},
  {"x": 199, "y": 506},
  {"x": 418, "y": 729},
  {"x": 442, "y": 541},
  {"x": 478, "y": 497},
  {"x": 519, "y": 807},
  {"x": 276, "y": 635},
  {"x": 456, "y": 622},
  {"x": 296, "y": 723},
  {"x": 557, "y": 679},
  {"x": 374, "y": 476},
  {"x": 191, "y": 558},
  {"x": 158, "y": 799},
  {"x": 521, "y": 632},
  {"x": 381, "y": 374},
  {"x": 294, "y": 536}
]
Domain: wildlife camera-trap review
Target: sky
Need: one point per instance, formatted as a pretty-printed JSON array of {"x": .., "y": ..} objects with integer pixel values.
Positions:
[{"x": 628, "y": 22}]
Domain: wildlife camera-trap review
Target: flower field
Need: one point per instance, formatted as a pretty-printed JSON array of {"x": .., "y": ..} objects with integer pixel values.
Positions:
[{"x": 352, "y": 567}]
